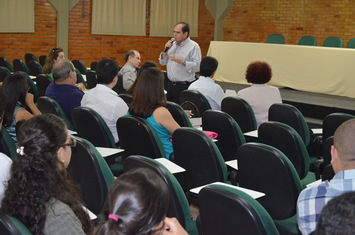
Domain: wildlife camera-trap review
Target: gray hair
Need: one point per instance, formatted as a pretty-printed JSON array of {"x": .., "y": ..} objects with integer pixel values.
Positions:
[{"x": 61, "y": 69}]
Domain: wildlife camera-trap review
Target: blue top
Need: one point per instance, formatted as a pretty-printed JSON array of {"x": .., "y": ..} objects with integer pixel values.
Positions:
[
  {"x": 163, "y": 134},
  {"x": 68, "y": 96},
  {"x": 312, "y": 200}
]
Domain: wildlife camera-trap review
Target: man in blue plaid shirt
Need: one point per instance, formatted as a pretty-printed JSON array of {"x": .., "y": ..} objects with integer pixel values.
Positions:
[{"x": 312, "y": 200}]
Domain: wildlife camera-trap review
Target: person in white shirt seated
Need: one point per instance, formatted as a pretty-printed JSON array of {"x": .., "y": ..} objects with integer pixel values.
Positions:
[
  {"x": 103, "y": 99},
  {"x": 205, "y": 85},
  {"x": 259, "y": 95}
]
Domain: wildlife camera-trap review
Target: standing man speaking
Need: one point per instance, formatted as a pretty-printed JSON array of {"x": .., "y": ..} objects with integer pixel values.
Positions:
[{"x": 182, "y": 57}]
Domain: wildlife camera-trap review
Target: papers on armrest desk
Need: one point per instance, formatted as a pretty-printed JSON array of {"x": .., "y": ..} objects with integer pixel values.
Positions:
[
  {"x": 105, "y": 152},
  {"x": 92, "y": 216},
  {"x": 172, "y": 167},
  {"x": 233, "y": 164},
  {"x": 253, "y": 133},
  {"x": 196, "y": 122},
  {"x": 252, "y": 193}
]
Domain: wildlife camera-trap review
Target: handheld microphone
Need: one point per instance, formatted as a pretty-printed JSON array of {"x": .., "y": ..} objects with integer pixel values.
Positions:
[{"x": 167, "y": 48}]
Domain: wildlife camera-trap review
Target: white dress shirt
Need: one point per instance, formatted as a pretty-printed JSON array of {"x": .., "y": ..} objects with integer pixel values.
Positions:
[
  {"x": 188, "y": 51},
  {"x": 212, "y": 91},
  {"x": 108, "y": 104}
]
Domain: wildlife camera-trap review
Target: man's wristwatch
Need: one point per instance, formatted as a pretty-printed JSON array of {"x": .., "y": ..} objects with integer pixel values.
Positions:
[{"x": 184, "y": 62}]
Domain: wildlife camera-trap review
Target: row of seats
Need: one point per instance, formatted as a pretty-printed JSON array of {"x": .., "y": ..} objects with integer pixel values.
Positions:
[
  {"x": 186, "y": 140},
  {"x": 312, "y": 41}
]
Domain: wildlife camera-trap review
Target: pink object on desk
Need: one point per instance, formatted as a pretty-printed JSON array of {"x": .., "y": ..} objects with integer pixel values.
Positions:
[{"x": 211, "y": 134}]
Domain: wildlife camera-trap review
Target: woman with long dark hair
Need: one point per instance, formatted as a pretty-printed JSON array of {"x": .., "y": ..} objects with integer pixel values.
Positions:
[
  {"x": 20, "y": 104},
  {"x": 137, "y": 203},
  {"x": 149, "y": 102},
  {"x": 39, "y": 192}
]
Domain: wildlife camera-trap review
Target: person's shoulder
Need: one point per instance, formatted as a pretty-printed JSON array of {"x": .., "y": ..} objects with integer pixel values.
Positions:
[
  {"x": 314, "y": 192},
  {"x": 5, "y": 161}
]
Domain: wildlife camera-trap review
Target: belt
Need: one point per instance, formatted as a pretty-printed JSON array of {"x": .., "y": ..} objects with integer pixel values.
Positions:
[{"x": 179, "y": 83}]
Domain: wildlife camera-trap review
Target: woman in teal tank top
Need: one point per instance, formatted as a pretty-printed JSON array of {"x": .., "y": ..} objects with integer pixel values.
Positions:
[{"x": 149, "y": 102}]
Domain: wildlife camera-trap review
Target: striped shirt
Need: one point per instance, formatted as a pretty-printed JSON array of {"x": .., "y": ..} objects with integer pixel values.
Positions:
[{"x": 312, "y": 200}]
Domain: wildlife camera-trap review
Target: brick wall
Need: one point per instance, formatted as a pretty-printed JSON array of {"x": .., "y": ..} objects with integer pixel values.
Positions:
[
  {"x": 87, "y": 47},
  {"x": 15, "y": 45},
  {"x": 249, "y": 21},
  {"x": 254, "y": 20}
]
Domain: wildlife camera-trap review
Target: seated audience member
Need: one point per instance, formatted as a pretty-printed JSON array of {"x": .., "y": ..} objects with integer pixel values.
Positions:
[
  {"x": 137, "y": 203},
  {"x": 149, "y": 102},
  {"x": 63, "y": 89},
  {"x": 39, "y": 192},
  {"x": 312, "y": 200},
  {"x": 5, "y": 161},
  {"x": 54, "y": 55},
  {"x": 15, "y": 88},
  {"x": 103, "y": 99},
  {"x": 338, "y": 216},
  {"x": 259, "y": 95},
  {"x": 129, "y": 70},
  {"x": 205, "y": 85},
  {"x": 148, "y": 64}
]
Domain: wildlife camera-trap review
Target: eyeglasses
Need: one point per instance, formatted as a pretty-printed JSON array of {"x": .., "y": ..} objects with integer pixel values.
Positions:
[
  {"x": 72, "y": 143},
  {"x": 55, "y": 49}
]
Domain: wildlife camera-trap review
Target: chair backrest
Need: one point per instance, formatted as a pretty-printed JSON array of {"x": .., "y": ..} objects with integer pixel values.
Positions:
[
  {"x": 225, "y": 210},
  {"x": 266, "y": 169},
  {"x": 307, "y": 41},
  {"x": 91, "y": 126},
  {"x": 192, "y": 99},
  {"x": 33, "y": 88},
  {"x": 178, "y": 114},
  {"x": 34, "y": 67},
  {"x": 7, "y": 144},
  {"x": 241, "y": 112},
  {"x": 137, "y": 137},
  {"x": 91, "y": 172},
  {"x": 80, "y": 66},
  {"x": 93, "y": 65},
  {"x": 291, "y": 116},
  {"x": 5, "y": 63},
  {"x": 48, "y": 105},
  {"x": 4, "y": 73},
  {"x": 199, "y": 156},
  {"x": 179, "y": 206},
  {"x": 351, "y": 43},
  {"x": 333, "y": 42},
  {"x": 19, "y": 65},
  {"x": 328, "y": 173},
  {"x": 11, "y": 226},
  {"x": 42, "y": 59},
  {"x": 79, "y": 77},
  {"x": 332, "y": 121},
  {"x": 126, "y": 97},
  {"x": 326, "y": 150},
  {"x": 119, "y": 86},
  {"x": 29, "y": 57},
  {"x": 230, "y": 136},
  {"x": 287, "y": 140},
  {"x": 275, "y": 39},
  {"x": 91, "y": 79},
  {"x": 42, "y": 82}
]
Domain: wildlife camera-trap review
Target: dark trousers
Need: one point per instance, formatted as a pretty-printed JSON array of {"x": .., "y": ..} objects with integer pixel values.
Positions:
[{"x": 174, "y": 90}]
